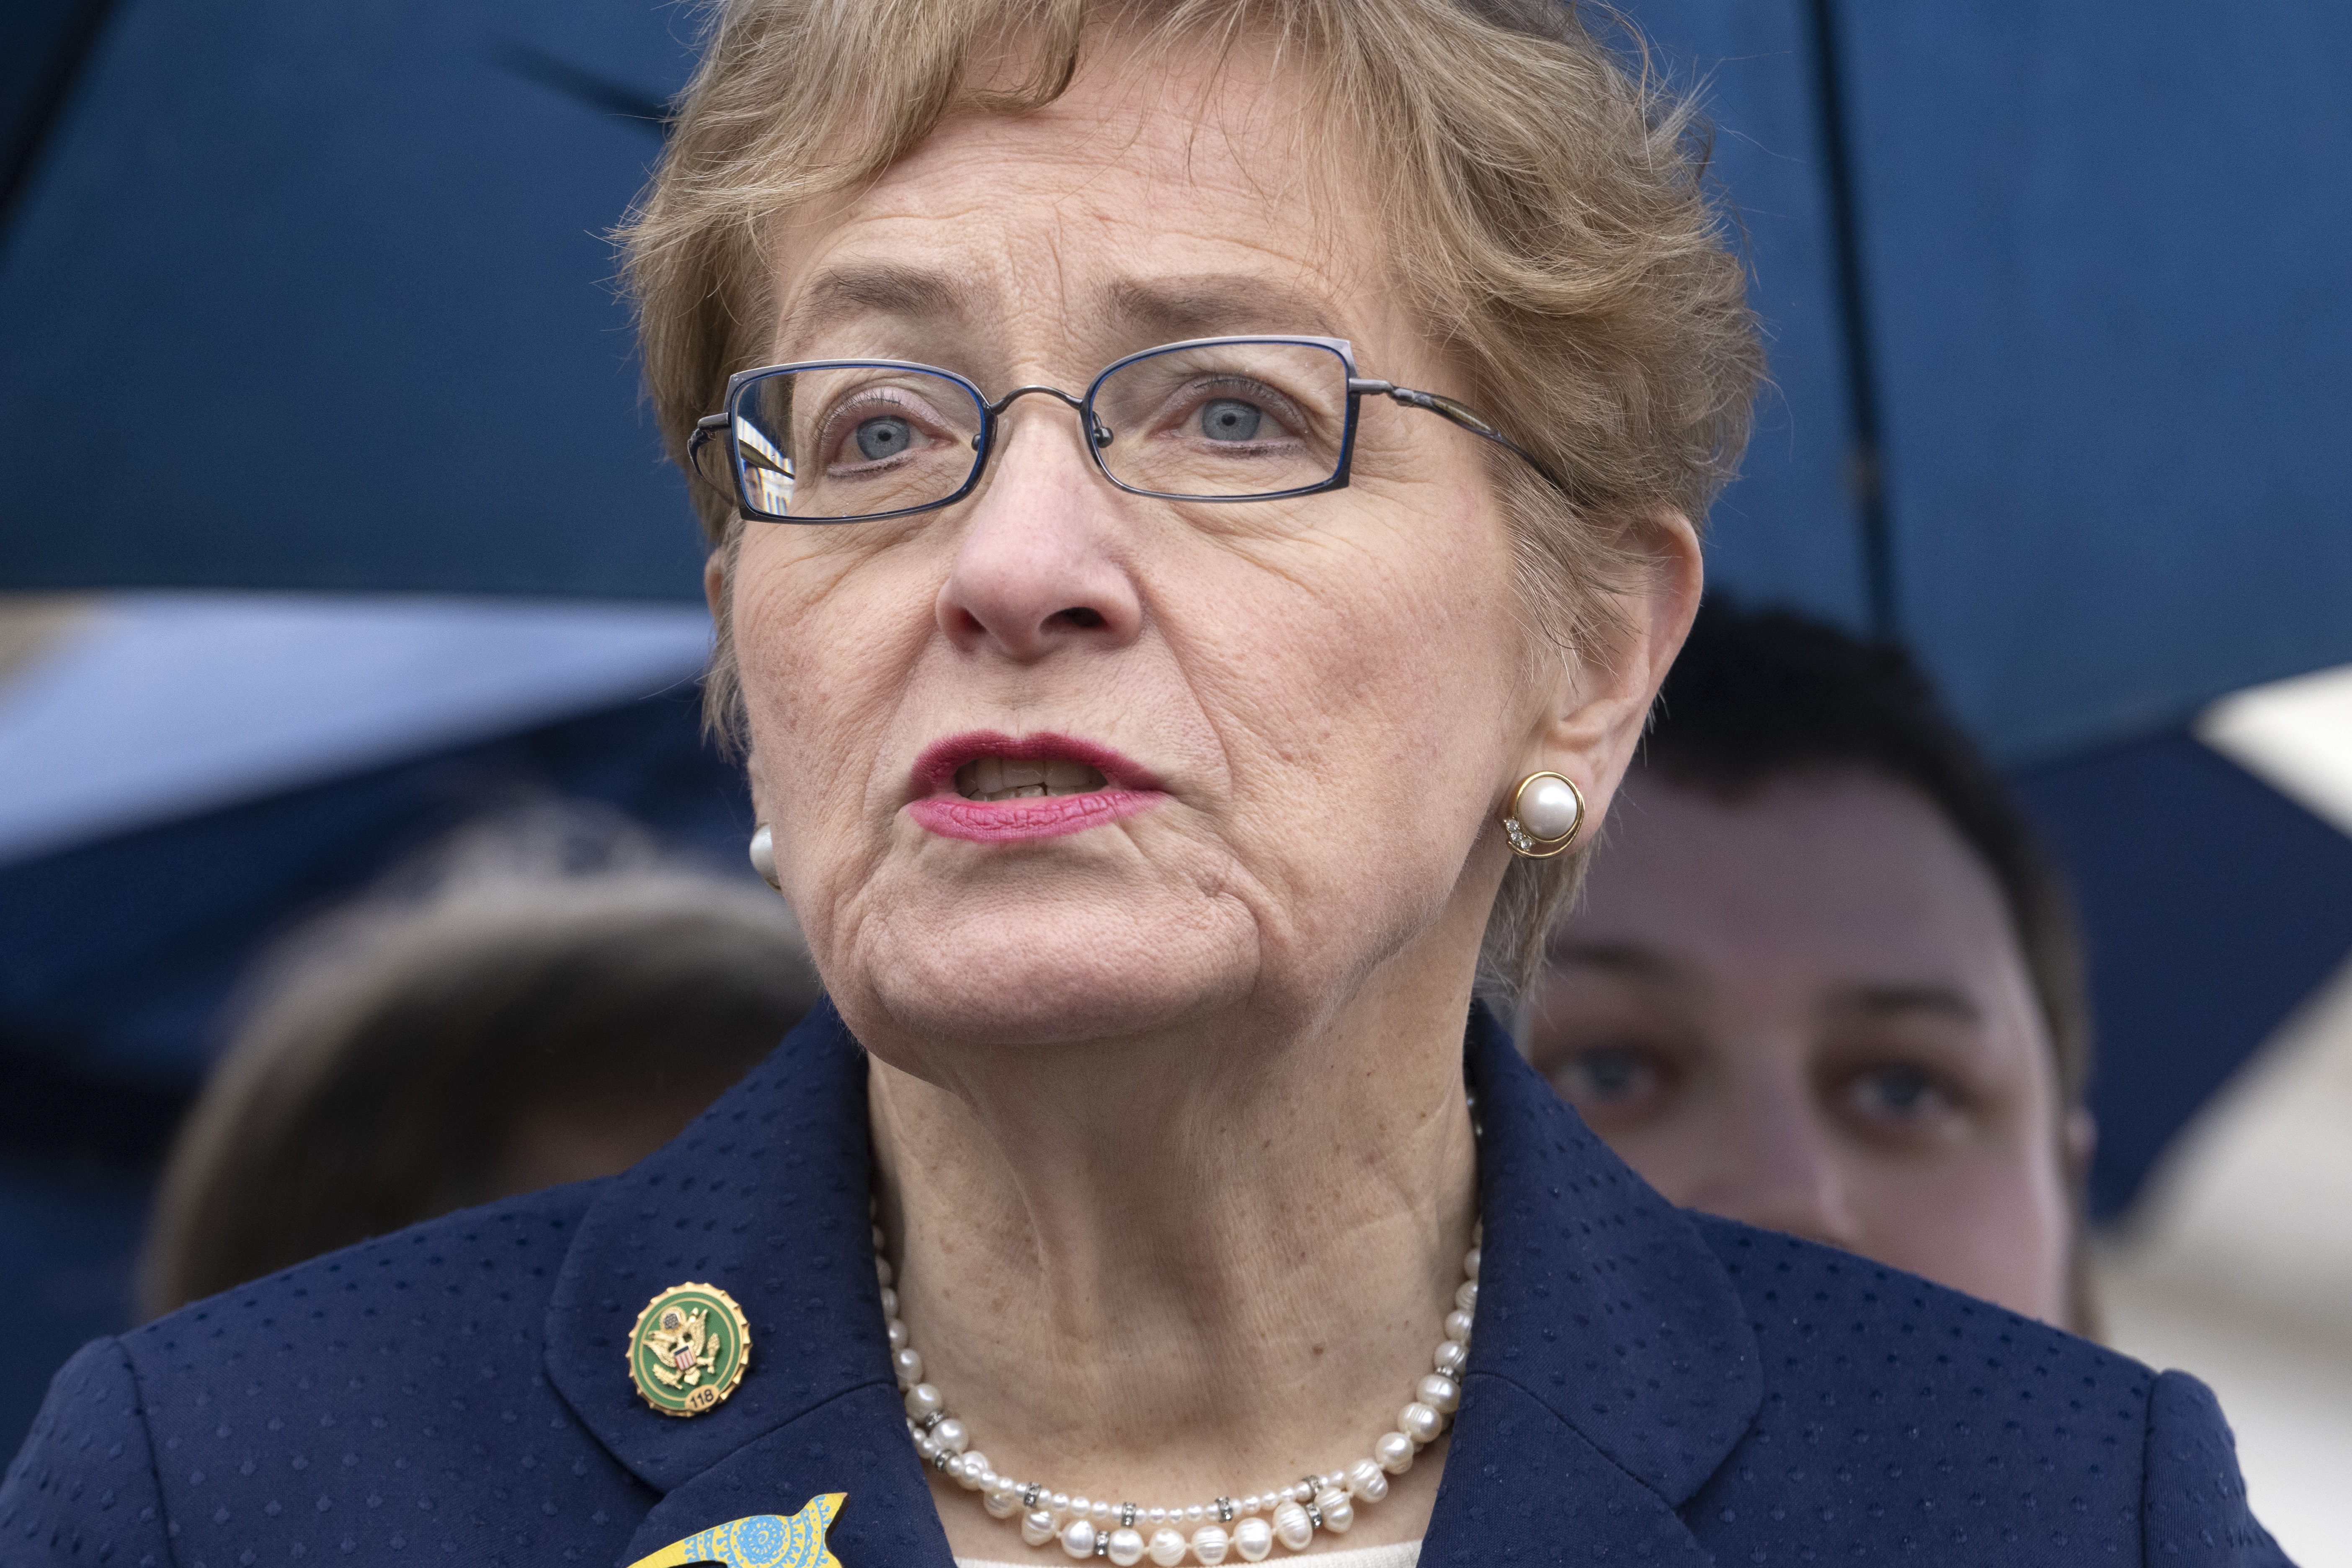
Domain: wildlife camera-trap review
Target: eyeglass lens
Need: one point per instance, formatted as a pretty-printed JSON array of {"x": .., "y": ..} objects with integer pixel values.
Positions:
[
  {"x": 1220, "y": 421},
  {"x": 853, "y": 440}
]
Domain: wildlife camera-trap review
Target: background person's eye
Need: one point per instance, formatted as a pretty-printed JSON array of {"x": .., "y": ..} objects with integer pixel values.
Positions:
[
  {"x": 1899, "y": 1092},
  {"x": 1608, "y": 1076}
]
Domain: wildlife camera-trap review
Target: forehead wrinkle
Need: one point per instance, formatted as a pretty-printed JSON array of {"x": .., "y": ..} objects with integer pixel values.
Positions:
[
  {"x": 1214, "y": 305},
  {"x": 855, "y": 289}
]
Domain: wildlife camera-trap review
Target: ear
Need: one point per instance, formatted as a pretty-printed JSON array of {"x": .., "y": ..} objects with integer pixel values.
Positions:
[
  {"x": 756, "y": 783},
  {"x": 2082, "y": 1141},
  {"x": 714, "y": 585},
  {"x": 1596, "y": 712},
  {"x": 718, "y": 592}
]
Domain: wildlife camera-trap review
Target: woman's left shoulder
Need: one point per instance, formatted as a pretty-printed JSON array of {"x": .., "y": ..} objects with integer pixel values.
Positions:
[
  {"x": 1813, "y": 1308},
  {"x": 1963, "y": 1418}
]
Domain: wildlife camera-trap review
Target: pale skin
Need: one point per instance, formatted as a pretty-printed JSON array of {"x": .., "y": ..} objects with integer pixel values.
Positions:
[
  {"x": 1173, "y": 1157},
  {"x": 1805, "y": 1007}
]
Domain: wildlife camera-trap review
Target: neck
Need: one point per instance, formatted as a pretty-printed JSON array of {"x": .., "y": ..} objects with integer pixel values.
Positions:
[{"x": 1166, "y": 1270}]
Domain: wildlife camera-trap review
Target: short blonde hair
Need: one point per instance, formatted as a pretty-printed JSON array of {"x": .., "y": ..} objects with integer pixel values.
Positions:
[{"x": 1543, "y": 211}]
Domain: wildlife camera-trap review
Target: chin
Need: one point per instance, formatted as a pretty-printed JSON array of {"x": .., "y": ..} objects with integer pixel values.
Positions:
[{"x": 1071, "y": 969}]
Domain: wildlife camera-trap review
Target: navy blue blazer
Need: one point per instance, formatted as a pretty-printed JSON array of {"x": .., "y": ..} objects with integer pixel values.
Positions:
[{"x": 1646, "y": 1384}]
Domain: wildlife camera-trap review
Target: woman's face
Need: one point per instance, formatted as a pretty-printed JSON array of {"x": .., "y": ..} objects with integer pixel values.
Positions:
[
  {"x": 1292, "y": 717},
  {"x": 1805, "y": 1009}
]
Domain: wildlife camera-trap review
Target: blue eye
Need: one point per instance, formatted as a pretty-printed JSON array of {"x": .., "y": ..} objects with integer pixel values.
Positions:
[
  {"x": 883, "y": 437},
  {"x": 1898, "y": 1091},
  {"x": 1610, "y": 1073},
  {"x": 1230, "y": 420}
]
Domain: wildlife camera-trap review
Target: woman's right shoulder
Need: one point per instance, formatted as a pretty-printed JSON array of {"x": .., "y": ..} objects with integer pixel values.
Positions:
[
  {"x": 500, "y": 1260},
  {"x": 383, "y": 1343},
  {"x": 84, "y": 1487}
]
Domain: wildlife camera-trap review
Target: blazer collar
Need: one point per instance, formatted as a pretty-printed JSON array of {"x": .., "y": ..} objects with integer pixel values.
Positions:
[
  {"x": 1601, "y": 1311},
  {"x": 1597, "y": 1297},
  {"x": 764, "y": 1196}
]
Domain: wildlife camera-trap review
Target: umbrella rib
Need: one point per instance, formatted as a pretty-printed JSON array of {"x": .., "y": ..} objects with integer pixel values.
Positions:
[
  {"x": 582, "y": 86},
  {"x": 1865, "y": 476},
  {"x": 74, "y": 45}
]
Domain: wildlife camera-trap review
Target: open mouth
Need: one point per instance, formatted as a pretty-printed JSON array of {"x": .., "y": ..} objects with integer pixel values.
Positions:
[
  {"x": 990, "y": 787},
  {"x": 1016, "y": 778}
]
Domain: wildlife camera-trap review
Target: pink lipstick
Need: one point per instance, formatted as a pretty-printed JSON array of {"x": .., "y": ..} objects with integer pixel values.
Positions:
[{"x": 987, "y": 786}]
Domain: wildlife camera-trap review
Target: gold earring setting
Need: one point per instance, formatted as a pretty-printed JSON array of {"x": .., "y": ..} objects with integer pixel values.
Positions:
[{"x": 1547, "y": 809}]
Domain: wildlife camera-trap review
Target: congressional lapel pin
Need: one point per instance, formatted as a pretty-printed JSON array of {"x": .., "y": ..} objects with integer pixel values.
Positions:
[
  {"x": 688, "y": 1351},
  {"x": 763, "y": 1541}
]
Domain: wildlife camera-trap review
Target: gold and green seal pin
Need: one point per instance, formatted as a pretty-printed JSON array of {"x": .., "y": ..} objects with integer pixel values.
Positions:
[{"x": 690, "y": 1349}]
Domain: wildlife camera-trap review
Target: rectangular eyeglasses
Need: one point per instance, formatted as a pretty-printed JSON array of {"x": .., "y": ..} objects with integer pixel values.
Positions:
[{"x": 1209, "y": 419}]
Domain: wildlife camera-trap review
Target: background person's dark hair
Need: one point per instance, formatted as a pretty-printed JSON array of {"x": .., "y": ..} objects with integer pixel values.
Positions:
[
  {"x": 510, "y": 1022},
  {"x": 1759, "y": 695}
]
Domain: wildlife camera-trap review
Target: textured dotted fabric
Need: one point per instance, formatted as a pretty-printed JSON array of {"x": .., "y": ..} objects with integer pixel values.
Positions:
[
  {"x": 1904, "y": 1417},
  {"x": 387, "y": 1403},
  {"x": 1646, "y": 1386}
]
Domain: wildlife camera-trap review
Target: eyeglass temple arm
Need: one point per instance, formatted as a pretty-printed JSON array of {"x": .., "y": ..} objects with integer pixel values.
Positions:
[
  {"x": 1445, "y": 408},
  {"x": 707, "y": 429}
]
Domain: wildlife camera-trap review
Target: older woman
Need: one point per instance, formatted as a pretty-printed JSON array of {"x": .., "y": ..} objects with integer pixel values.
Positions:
[{"x": 1203, "y": 499}]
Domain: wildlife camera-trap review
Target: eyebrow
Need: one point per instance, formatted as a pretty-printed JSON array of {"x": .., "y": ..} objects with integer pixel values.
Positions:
[
  {"x": 1635, "y": 962},
  {"x": 1164, "y": 310},
  {"x": 1941, "y": 1001},
  {"x": 1624, "y": 957},
  {"x": 1168, "y": 310},
  {"x": 872, "y": 289}
]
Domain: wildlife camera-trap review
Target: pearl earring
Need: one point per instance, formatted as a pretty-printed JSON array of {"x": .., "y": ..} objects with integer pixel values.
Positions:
[
  {"x": 764, "y": 855},
  {"x": 1546, "y": 811}
]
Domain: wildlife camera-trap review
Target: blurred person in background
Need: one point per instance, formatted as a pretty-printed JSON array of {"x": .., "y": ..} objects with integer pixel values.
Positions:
[
  {"x": 499, "y": 1021},
  {"x": 1823, "y": 980}
]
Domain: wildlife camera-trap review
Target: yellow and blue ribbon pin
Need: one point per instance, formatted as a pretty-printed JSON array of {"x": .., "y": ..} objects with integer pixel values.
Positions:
[{"x": 763, "y": 1541}]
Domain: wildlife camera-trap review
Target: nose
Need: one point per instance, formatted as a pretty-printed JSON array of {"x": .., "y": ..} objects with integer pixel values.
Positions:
[
  {"x": 1043, "y": 563},
  {"x": 1777, "y": 1167}
]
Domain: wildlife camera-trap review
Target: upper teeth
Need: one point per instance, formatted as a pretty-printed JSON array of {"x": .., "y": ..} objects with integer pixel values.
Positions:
[{"x": 1005, "y": 778}]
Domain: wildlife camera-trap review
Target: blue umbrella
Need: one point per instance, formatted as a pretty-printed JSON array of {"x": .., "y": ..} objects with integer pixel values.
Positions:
[
  {"x": 317, "y": 296},
  {"x": 2061, "y": 347},
  {"x": 2064, "y": 353}
]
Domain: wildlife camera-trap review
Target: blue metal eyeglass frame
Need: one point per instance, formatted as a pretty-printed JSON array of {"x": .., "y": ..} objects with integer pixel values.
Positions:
[{"x": 721, "y": 425}]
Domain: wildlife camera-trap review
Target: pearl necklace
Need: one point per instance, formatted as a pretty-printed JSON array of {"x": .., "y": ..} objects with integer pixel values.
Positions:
[{"x": 1248, "y": 1526}]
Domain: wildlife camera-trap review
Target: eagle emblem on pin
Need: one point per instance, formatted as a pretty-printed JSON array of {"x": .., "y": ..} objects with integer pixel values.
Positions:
[{"x": 690, "y": 1349}]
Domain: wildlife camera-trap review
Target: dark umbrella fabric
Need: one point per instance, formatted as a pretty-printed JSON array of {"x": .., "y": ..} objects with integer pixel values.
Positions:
[
  {"x": 317, "y": 296},
  {"x": 2213, "y": 906},
  {"x": 2062, "y": 353},
  {"x": 296, "y": 295}
]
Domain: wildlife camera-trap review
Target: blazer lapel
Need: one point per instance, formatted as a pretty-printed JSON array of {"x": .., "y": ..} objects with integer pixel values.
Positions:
[
  {"x": 1611, "y": 1372},
  {"x": 854, "y": 1443},
  {"x": 1612, "y": 1368},
  {"x": 764, "y": 1196}
]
